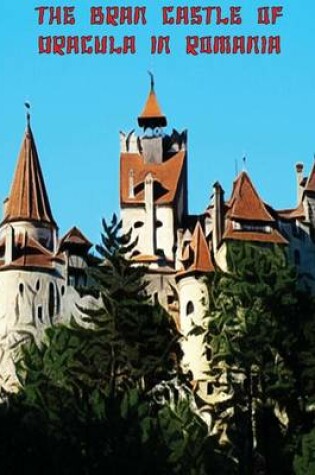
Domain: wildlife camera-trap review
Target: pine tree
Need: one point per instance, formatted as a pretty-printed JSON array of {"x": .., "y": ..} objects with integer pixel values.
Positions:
[
  {"x": 88, "y": 388},
  {"x": 146, "y": 336},
  {"x": 252, "y": 309}
]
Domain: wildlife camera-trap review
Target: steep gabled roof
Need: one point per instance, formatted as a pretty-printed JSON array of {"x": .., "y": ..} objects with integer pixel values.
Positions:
[
  {"x": 74, "y": 237},
  {"x": 167, "y": 173},
  {"x": 202, "y": 259},
  {"x": 245, "y": 203},
  {"x": 198, "y": 253},
  {"x": 28, "y": 198}
]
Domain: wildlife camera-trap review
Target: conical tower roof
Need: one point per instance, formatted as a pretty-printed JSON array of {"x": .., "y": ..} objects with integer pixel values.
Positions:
[
  {"x": 245, "y": 203},
  {"x": 152, "y": 116},
  {"x": 28, "y": 200},
  {"x": 202, "y": 258},
  {"x": 197, "y": 254}
]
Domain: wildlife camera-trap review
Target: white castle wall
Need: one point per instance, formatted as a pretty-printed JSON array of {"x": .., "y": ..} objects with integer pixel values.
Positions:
[
  {"x": 163, "y": 233},
  {"x": 31, "y": 301},
  {"x": 193, "y": 300},
  {"x": 165, "y": 237}
]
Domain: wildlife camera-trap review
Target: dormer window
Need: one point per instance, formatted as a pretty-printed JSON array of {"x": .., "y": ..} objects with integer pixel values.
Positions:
[{"x": 252, "y": 227}]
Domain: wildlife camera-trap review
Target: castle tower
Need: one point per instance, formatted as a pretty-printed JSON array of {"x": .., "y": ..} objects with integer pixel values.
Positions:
[
  {"x": 153, "y": 186},
  {"x": 27, "y": 212},
  {"x": 194, "y": 303},
  {"x": 299, "y": 226},
  {"x": 38, "y": 274},
  {"x": 244, "y": 217}
]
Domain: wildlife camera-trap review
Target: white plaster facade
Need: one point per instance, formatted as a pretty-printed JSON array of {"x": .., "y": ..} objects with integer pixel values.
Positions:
[
  {"x": 193, "y": 298},
  {"x": 39, "y": 274}
]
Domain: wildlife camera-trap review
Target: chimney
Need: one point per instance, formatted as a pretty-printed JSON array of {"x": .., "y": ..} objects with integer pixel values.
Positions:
[
  {"x": 178, "y": 255},
  {"x": 299, "y": 178},
  {"x": 131, "y": 192},
  {"x": 9, "y": 241},
  {"x": 149, "y": 214},
  {"x": 218, "y": 218}
]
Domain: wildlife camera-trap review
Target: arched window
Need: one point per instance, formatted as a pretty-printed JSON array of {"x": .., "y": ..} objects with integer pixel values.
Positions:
[
  {"x": 21, "y": 289},
  {"x": 209, "y": 388},
  {"x": 208, "y": 353},
  {"x": 190, "y": 308},
  {"x": 40, "y": 313},
  {"x": 37, "y": 285},
  {"x": 51, "y": 300}
]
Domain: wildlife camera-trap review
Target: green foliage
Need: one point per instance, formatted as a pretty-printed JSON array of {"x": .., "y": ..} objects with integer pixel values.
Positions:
[
  {"x": 87, "y": 405},
  {"x": 252, "y": 330},
  {"x": 304, "y": 461},
  {"x": 142, "y": 337},
  {"x": 249, "y": 312}
]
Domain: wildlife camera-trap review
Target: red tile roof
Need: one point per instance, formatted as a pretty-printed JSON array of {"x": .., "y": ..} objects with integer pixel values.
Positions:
[
  {"x": 245, "y": 203},
  {"x": 144, "y": 258},
  {"x": 296, "y": 213},
  {"x": 152, "y": 111},
  {"x": 167, "y": 174},
  {"x": 74, "y": 237},
  {"x": 28, "y": 198},
  {"x": 198, "y": 251}
]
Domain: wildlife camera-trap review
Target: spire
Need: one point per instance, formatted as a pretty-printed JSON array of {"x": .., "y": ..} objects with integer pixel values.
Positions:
[
  {"x": 202, "y": 259},
  {"x": 197, "y": 254},
  {"x": 28, "y": 115},
  {"x": 28, "y": 198},
  {"x": 151, "y": 115}
]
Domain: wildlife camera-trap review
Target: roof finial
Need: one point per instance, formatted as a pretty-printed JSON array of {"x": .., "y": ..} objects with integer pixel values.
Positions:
[
  {"x": 152, "y": 80},
  {"x": 28, "y": 115},
  {"x": 244, "y": 162}
]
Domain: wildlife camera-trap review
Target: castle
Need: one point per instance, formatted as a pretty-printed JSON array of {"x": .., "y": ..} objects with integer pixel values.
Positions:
[
  {"x": 40, "y": 273},
  {"x": 179, "y": 249}
]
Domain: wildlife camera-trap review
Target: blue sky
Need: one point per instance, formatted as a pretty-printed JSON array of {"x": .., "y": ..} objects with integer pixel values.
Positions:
[{"x": 261, "y": 106}]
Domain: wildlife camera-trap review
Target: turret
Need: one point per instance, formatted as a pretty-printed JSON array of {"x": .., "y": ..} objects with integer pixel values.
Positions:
[
  {"x": 28, "y": 209},
  {"x": 152, "y": 120}
]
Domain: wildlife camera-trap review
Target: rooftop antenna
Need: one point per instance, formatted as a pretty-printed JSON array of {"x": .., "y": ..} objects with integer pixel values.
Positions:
[
  {"x": 152, "y": 80},
  {"x": 244, "y": 162},
  {"x": 28, "y": 114}
]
